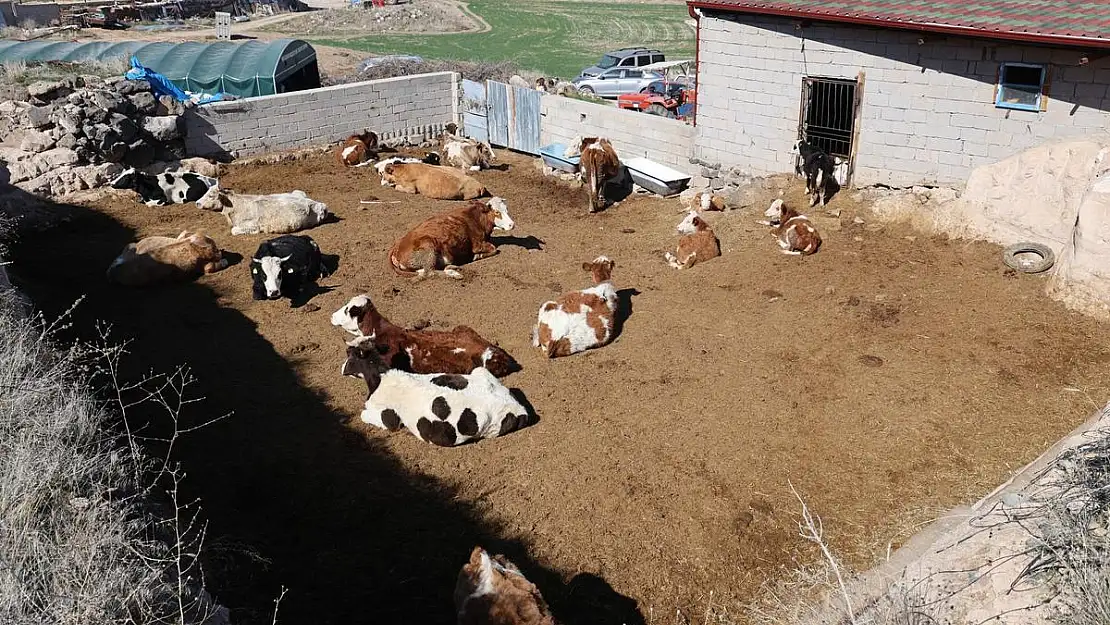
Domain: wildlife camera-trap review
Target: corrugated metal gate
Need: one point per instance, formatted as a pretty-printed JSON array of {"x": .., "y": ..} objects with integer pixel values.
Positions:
[
  {"x": 475, "y": 124},
  {"x": 503, "y": 115}
]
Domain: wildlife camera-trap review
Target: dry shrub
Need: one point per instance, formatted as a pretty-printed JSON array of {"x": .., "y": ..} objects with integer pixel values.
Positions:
[
  {"x": 91, "y": 530},
  {"x": 477, "y": 71}
]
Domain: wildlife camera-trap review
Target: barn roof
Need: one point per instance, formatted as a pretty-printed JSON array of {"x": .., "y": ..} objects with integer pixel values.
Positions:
[{"x": 1058, "y": 22}]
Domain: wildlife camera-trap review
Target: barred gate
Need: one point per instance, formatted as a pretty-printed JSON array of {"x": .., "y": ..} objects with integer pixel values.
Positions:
[
  {"x": 828, "y": 117},
  {"x": 503, "y": 115}
]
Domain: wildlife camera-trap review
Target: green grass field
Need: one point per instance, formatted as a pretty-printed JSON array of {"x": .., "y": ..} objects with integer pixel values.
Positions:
[{"x": 553, "y": 37}]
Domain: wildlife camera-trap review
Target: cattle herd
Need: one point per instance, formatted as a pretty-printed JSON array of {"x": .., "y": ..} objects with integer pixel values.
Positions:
[{"x": 442, "y": 386}]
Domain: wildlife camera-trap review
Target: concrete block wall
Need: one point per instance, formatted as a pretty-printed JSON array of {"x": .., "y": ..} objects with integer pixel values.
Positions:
[
  {"x": 663, "y": 140},
  {"x": 928, "y": 109},
  {"x": 408, "y": 106}
]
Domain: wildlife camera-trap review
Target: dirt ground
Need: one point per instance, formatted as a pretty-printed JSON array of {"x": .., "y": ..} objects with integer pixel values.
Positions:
[{"x": 888, "y": 377}]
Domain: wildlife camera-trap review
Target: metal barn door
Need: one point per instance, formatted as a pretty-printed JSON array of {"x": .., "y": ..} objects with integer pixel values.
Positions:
[
  {"x": 514, "y": 117},
  {"x": 475, "y": 110},
  {"x": 828, "y": 119}
]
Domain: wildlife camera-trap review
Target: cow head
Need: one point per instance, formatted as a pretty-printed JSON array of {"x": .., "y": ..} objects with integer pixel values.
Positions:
[
  {"x": 774, "y": 212},
  {"x": 364, "y": 362},
  {"x": 267, "y": 272},
  {"x": 501, "y": 219},
  {"x": 128, "y": 179},
  {"x": 691, "y": 224},
  {"x": 389, "y": 177},
  {"x": 488, "y": 587},
  {"x": 601, "y": 269},
  {"x": 358, "y": 317},
  {"x": 486, "y": 151},
  {"x": 215, "y": 199}
]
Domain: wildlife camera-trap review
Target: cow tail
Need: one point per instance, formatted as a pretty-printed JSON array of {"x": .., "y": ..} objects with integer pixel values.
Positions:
[{"x": 594, "y": 191}]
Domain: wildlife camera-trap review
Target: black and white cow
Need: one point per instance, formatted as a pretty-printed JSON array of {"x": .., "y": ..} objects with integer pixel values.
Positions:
[
  {"x": 164, "y": 188},
  {"x": 818, "y": 168},
  {"x": 285, "y": 265},
  {"x": 443, "y": 409}
]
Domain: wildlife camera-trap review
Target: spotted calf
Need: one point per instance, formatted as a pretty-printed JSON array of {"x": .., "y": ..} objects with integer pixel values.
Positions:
[
  {"x": 698, "y": 243},
  {"x": 579, "y": 320},
  {"x": 444, "y": 409},
  {"x": 796, "y": 234},
  {"x": 491, "y": 590}
]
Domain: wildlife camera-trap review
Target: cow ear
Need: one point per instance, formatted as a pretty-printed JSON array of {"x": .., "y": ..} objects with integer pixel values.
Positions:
[{"x": 587, "y": 267}]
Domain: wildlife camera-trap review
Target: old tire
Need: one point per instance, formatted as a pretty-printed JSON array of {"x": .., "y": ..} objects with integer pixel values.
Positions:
[
  {"x": 1047, "y": 257},
  {"x": 660, "y": 110}
]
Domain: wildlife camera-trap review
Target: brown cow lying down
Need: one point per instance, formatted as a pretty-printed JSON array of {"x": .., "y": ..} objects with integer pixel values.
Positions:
[
  {"x": 357, "y": 149},
  {"x": 156, "y": 260},
  {"x": 795, "y": 233},
  {"x": 493, "y": 591},
  {"x": 434, "y": 181},
  {"x": 460, "y": 350},
  {"x": 697, "y": 245},
  {"x": 444, "y": 241}
]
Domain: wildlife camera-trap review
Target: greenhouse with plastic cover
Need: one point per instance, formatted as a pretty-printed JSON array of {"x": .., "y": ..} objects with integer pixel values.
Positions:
[{"x": 244, "y": 69}]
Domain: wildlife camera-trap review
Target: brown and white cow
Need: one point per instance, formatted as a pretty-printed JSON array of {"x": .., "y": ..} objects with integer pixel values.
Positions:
[
  {"x": 579, "y": 320},
  {"x": 456, "y": 237},
  {"x": 433, "y": 181},
  {"x": 467, "y": 154},
  {"x": 358, "y": 149},
  {"x": 707, "y": 201},
  {"x": 796, "y": 234},
  {"x": 460, "y": 350},
  {"x": 157, "y": 260},
  {"x": 597, "y": 165},
  {"x": 697, "y": 245},
  {"x": 491, "y": 590}
]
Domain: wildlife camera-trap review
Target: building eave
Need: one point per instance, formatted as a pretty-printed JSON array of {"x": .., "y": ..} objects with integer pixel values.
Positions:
[{"x": 946, "y": 29}]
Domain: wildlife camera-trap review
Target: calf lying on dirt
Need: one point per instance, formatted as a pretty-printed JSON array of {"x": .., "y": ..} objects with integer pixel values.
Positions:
[
  {"x": 707, "y": 201},
  {"x": 156, "y": 260},
  {"x": 467, "y": 154},
  {"x": 795, "y": 232},
  {"x": 433, "y": 181},
  {"x": 277, "y": 213},
  {"x": 445, "y": 409},
  {"x": 491, "y": 590},
  {"x": 579, "y": 320},
  {"x": 460, "y": 350},
  {"x": 444, "y": 241},
  {"x": 431, "y": 158},
  {"x": 698, "y": 244},
  {"x": 170, "y": 187},
  {"x": 358, "y": 149},
  {"x": 284, "y": 266}
]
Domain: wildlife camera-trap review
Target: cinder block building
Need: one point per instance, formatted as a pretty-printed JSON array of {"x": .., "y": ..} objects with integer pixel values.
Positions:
[{"x": 905, "y": 92}]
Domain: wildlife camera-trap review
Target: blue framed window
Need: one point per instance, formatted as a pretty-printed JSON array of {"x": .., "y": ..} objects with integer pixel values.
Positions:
[{"x": 1020, "y": 87}]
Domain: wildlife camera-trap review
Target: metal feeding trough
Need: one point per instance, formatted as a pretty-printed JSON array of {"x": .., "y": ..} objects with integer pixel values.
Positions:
[
  {"x": 552, "y": 155},
  {"x": 656, "y": 178}
]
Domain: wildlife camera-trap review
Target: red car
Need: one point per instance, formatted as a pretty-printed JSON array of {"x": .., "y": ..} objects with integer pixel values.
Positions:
[{"x": 674, "y": 99}]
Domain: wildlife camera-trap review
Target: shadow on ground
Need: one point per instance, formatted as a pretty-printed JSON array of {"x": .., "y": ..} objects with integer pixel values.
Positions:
[{"x": 354, "y": 536}]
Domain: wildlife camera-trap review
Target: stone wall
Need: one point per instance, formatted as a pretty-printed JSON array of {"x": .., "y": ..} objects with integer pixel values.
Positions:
[
  {"x": 412, "y": 107},
  {"x": 928, "y": 108}
]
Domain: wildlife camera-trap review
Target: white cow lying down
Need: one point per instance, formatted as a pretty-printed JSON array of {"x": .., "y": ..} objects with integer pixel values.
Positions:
[
  {"x": 444, "y": 409},
  {"x": 277, "y": 213}
]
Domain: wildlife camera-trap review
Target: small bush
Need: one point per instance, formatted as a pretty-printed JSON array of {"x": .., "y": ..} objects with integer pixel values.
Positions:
[
  {"x": 90, "y": 527},
  {"x": 477, "y": 71}
]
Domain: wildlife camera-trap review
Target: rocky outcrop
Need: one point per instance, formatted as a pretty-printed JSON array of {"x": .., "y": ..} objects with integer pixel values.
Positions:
[{"x": 60, "y": 137}]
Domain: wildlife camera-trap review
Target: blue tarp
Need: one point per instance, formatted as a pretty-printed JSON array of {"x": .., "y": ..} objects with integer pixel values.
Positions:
[{"x": 161, "y": 85}]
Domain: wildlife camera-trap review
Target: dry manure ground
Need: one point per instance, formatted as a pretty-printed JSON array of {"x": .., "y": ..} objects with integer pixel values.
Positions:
[{"x": 886, "y": 377}]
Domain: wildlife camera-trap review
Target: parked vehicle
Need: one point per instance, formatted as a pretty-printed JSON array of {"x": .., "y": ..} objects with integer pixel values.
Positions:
[
  {"x": 625, "y": 57},
  {"x": 616, "y": 81},
  {"x": 673, "y": 96}
]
